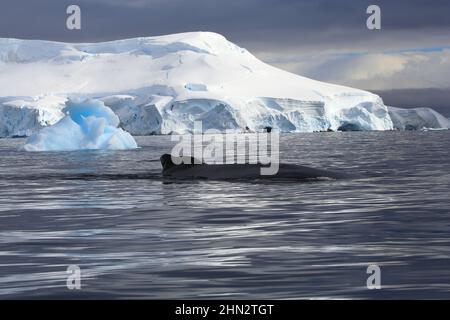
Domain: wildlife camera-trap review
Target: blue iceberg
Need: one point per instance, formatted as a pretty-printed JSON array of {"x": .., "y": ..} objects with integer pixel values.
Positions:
[{"x": 88, "y": 125}]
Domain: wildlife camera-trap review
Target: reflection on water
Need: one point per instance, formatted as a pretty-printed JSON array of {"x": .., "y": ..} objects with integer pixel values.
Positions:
[{"x": 136, "y": 235}]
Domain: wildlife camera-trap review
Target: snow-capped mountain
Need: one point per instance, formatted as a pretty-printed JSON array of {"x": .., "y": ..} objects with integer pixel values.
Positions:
[{"x": 159, "y": 85}]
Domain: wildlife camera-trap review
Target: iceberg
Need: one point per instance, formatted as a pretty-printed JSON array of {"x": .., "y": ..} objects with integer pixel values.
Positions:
[
  {"x": 88, "y": 125},
  {"x": 163, "y": 84},
  {"x": 418, "y": 119}
]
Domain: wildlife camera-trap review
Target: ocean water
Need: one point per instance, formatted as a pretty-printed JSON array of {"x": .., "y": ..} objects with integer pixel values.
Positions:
[{"x": 136, "y": 235}]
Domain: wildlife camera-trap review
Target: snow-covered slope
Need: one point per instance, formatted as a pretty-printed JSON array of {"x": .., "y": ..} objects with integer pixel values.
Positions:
[{"x": 159, "y": 85}]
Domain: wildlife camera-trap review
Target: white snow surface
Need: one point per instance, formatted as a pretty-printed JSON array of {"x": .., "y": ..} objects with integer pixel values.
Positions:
[
  {"x": 88, "y": 124},
  {"x": 161, "y": 85}
]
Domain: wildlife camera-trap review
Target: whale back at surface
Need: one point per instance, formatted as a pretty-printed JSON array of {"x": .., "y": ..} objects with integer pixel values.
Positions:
[{"x": 192, "y": 170}]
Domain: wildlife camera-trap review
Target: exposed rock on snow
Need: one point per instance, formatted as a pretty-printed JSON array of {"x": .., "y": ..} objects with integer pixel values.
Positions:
[{"x": 160, "y": 85}]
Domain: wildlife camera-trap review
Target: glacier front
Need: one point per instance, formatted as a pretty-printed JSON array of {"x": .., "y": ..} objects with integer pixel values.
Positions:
[{"x": 161, "y": 85}]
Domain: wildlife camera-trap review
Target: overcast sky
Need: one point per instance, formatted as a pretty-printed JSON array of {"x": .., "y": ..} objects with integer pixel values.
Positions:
[{"x": 323, "y": 39}]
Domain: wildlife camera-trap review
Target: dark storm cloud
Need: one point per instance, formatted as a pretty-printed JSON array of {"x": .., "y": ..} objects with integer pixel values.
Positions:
[
  {"x": 250, "y": 20},
  {"x": 438, "y": 99}
]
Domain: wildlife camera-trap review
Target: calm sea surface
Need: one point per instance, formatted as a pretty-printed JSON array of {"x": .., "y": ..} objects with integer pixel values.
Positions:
[{"x": 135, "y": 235}]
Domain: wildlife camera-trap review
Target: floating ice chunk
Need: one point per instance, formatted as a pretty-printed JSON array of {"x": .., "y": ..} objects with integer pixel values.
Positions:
[
  {"x": 417, "y": 119},
  {"x": 79, "y": 109},
  {"x": 89, "y": 124}
]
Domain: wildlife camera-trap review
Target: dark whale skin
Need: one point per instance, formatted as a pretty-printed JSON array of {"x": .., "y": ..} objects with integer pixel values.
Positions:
[{"x": 242, "y": 171}]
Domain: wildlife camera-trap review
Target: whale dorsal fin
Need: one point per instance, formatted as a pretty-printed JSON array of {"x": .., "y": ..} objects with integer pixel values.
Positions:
[{"x": 167, "y": 163}]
